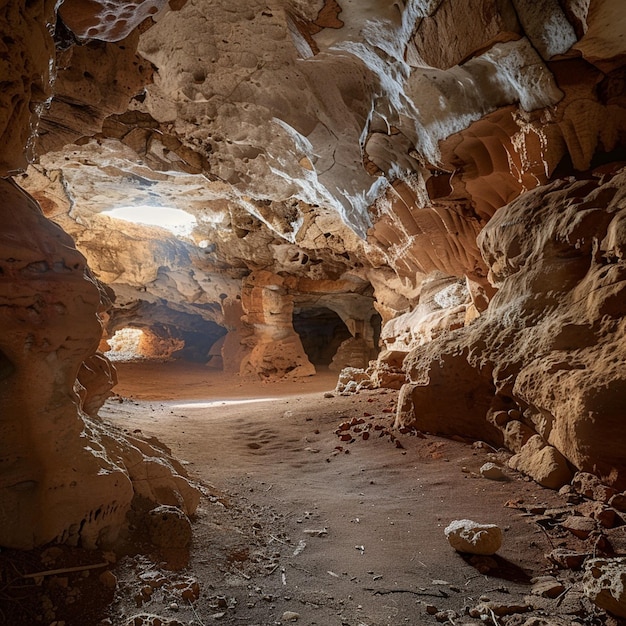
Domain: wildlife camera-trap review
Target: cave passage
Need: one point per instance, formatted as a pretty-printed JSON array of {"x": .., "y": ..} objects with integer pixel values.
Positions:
[{"x": 321, "y": 331}]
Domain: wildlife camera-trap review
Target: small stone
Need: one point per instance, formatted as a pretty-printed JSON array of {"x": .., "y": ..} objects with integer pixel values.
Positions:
[
  {"x": 169, "y": 527},
  {"x": 492, "y": 472},
  {"x": 446, "y": 616},
  {"x": 567, "y": 559},
  {"x": 604, "y": 582},
  {"x": 604, "y": 515},
  {"x": 474, "y": 538},
  {"x": 547, "y": 587},
  {"x": 290, "y": 616},
  {"x": 108, "y": 579},
  {"x": 591, "y": 487},
  {"x": 431, "y": 609},
  {"x": 329, "y": 394},
  {"x": 579, "y": 526}
]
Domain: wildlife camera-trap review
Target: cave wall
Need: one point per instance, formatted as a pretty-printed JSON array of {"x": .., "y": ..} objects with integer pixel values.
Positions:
[
  {"x": 545, "y": 361},
  {"x": 419, "y": 160}
]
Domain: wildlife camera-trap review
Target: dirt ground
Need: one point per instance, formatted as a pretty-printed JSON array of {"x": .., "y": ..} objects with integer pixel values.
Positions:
[{"x": 315, "y": 512}]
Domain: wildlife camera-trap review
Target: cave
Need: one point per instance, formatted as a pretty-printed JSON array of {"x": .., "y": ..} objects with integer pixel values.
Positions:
[
  {"x": 321, "y": 332},
  {"x": 313, "y": 312}
]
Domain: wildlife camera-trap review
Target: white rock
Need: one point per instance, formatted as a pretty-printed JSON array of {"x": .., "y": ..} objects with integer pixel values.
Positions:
[
  {"x": 474, "y": 538},
  {"x": 290, "y": 616},
  {"x": 605, "y": 583},
  {"x": 492, "y": 472}
]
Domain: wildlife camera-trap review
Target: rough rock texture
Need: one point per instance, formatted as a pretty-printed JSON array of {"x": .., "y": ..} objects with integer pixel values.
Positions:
[
  {"x": 474, "y": 538},
  {"x": 54, "y": 459},
  {"x": 350, "y": 172},
  {"x": 605, "y": 583},
  {"x": 551, "y": 344}
]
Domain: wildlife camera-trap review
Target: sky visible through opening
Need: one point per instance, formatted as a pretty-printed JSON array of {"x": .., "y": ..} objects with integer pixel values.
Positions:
[{"x": 177, "y": 221}]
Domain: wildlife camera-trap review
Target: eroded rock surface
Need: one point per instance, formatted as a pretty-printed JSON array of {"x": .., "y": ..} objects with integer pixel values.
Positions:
[
  {"x": 403, "y": 172},
  {"x": 548, "y": 351},
  {"x": 54, "y": 459}
]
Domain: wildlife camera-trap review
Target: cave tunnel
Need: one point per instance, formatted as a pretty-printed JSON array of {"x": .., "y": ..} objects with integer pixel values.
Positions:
[
  {"x": 321, "y": 331},
  {"x": 163, "y": 341}
]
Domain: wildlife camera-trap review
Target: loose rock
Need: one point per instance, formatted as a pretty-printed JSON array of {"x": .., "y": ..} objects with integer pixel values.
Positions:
[
  {"x": 169, "y": 527},
  {"x": 492, "y": 472},
  {"x": 542, "y": 463},
  {"x": 591, "y": 487},
  {"x": 474, "y": 538},
  {"x": 604, "y": 582}
]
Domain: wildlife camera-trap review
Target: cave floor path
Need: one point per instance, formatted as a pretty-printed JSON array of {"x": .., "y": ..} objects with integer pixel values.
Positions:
[{"x": 296, "y": 519}]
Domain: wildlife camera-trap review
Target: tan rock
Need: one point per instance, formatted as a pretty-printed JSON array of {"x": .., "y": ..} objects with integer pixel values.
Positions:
[
  {"x": 605, "y": 583},
  {"x": 492, "y": 472},
  {"x": 516, "y": 434},
  {"x": 542, "y": 462},
  {"x": 580, "y": 526},
  {"x": 474, "y": 538},
  {"x": 591, "y": 487}
]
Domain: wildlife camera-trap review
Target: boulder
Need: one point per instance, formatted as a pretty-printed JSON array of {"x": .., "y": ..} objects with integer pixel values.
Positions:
[{"x": 542, "y": 462}]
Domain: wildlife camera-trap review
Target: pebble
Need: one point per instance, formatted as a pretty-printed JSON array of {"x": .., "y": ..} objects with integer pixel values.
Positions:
[
  {"x": 547, "y": 587},
  {"x": 290, "y": 616},
  {"x": 492, "y": 472}
]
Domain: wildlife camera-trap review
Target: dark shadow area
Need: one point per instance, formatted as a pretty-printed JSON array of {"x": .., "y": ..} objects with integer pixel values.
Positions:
[
  {"x": 497, "y": 567},
  {"x": 321, "y": 331}
]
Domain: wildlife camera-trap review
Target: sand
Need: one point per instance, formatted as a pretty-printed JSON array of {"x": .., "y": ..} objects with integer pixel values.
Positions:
[{"x": 296, "y": 520}]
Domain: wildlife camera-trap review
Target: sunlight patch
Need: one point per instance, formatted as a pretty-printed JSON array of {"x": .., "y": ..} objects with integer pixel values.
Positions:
[
  {"x": 214, "y": 403},
  {"x": 177, "y": 221},
  {"x": 125, "y": 345}
]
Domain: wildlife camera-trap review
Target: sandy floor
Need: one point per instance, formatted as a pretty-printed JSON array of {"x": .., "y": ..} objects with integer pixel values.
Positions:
[{"x": 339, "y": 532}]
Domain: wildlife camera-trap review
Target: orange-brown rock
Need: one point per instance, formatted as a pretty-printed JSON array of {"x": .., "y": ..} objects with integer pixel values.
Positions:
[
  {"x": 53, "y": 458},
  {"x": 107, "y": 21},
  {"x": 552, "y": 338}
]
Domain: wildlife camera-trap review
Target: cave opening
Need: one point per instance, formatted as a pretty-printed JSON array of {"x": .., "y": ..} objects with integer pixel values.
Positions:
[
  {"x": 125, "y": 344},
  {"x": 162, "y": 342},
  {"x": 321, "y": 332}
]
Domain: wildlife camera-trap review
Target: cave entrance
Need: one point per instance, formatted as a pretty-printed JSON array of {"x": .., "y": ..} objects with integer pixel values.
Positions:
[
  {"x": 124, "y": 345},
  {"x": 321, "y": 332},
  {"x": 132, "y": 344}
]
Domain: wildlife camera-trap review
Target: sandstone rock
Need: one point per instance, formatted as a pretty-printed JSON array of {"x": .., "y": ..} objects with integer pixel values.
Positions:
[
  {"x": 618, "y": 502},
  {"x": 49, "y": 327},
  {"x": 603, "y": 514},
  {"x": 351, "y": 375},
  {"x": 542, "y": 463},
  {"x": 567, "y": 559},
  {"x": 474, "y": 538},
  {"x": 547, "y": 586},
  {"x": 516, "y": 434},
  {"x": 168, "y": 527},
  {"x": 591, "y": 487},
  {"x": 492, "y": 472},
  {"x": 580, "y": 526},
  {"x": 605, "y": 583}
]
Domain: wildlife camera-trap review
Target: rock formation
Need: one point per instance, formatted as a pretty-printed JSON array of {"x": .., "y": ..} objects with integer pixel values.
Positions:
[{"x": 438, "y": 179}]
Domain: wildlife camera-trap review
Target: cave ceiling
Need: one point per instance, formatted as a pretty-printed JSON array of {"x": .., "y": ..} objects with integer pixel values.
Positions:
[{"x": 362, "y": 142}]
